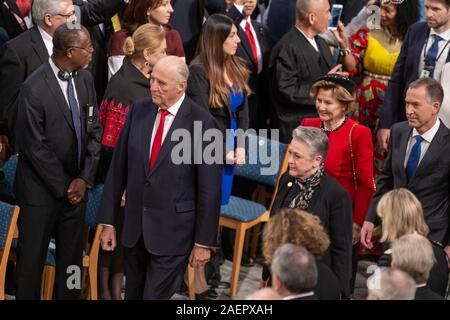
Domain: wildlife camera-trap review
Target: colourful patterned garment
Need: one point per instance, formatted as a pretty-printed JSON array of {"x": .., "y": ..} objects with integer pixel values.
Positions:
[
  {"x": 112, "y": 119},
  {"x": 376, "y": 53}
]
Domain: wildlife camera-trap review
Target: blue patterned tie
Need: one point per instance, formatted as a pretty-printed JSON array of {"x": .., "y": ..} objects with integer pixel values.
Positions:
[
  {"x": 414, "y": 157},
  {"x": 430, "y": 59},
  {"x": 75, "y": 114}
]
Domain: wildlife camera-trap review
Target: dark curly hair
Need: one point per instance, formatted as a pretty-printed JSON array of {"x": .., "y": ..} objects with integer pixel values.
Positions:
[
  {"x": 407, "y": 14},
  {"x": 297, "y": 227}
]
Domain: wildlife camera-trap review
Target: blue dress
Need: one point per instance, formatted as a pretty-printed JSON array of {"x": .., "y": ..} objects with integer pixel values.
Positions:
[{"x": 236, "y": 99}]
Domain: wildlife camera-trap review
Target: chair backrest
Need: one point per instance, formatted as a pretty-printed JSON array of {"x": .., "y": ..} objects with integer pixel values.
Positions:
[
  {"x": 94, "y": 198},
  {"x": 9, "y": 171},
  {"x": 263, "y": 160}
]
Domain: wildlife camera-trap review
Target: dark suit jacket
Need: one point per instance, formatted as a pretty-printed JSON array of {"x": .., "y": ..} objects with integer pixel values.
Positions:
[
  {"x": 425, "y": 293},
  {"x": 7, "y": 19},
  {"x": 293, "y": 67},
  {"x": 48, "y": 159},
  {"x": 430, "y": 183},
  {"x": 173, "y": 206},
  {"x": 187, "y": 19},
  {"x": 18, "y": 59},
  {"x": 406, "y": 70},
  {"x": 331, "y": 203},
  {"x": 25, "y": 53},
  {"x": 198, "y": 90}
]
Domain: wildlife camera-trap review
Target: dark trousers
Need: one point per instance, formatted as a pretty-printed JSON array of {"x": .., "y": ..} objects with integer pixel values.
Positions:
[
  {"x": 152, "y": 277},
  {"x": 36, "y": 227}
]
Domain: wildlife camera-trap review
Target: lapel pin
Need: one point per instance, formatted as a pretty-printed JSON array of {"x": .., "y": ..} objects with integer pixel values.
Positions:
[{"x": 289, "y": 184}]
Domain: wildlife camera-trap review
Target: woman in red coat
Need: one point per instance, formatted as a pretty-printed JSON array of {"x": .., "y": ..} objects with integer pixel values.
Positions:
[{"x": 350, "y": 154}]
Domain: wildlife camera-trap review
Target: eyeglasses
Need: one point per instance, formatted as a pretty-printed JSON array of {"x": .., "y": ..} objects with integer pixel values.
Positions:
[
  {"x": 71, "y": 14},
  {"x": 89, "y": 49}
]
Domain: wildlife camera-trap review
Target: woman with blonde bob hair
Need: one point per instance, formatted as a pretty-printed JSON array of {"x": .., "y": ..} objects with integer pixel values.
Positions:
[
  {"x": 304, "y": 229},
  {"x": 401, "y": 214}
]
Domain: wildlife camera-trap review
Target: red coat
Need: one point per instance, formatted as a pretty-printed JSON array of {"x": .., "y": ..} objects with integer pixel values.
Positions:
[{"x": 338, "y": 163}]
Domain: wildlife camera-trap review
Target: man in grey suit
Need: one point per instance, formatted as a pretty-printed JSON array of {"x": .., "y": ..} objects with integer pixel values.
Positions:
[{"x": 419, "y": 160}]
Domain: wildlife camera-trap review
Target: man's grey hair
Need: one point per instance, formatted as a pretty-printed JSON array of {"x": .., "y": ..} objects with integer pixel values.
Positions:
[
  {"x": 295, "y": 267},
  {"x": 42, "y": 7},
  {"x": 178, "y": 64},
  {"x": 315, "y": 138},
  {"x": 414, "y": 254},
  {"x": 391, "y": 284},
  {"x": 434, "y": 89},
  {"x": 305, "y": 7}
]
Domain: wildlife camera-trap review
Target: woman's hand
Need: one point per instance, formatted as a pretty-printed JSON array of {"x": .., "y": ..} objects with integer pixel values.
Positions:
[
  {"x": 356, "y": 233},
  {"x": 239, "y": 156},
  {"x": 341, "y": 36}
]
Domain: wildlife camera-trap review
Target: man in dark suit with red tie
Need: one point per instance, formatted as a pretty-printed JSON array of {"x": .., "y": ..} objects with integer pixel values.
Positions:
[
  {"x": 255, "y": 50},
  {"x": 172, "y": 210}
]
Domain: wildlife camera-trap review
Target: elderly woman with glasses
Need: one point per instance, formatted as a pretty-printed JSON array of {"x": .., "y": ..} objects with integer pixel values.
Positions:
[{"x": 306, "y": 186}]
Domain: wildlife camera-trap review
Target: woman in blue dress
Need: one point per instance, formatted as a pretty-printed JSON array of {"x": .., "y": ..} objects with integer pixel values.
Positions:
[{"x": 218, "y": 82}]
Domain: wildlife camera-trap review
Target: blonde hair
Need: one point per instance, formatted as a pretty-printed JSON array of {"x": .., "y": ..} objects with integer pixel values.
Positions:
[
  {"x": 297, "y": 227},
  {"x": 341, "y": 94},
  {"x": 147, "y": 36},
  {"x": 401, "y": 213},
  {"x": 414, "y": 254}
]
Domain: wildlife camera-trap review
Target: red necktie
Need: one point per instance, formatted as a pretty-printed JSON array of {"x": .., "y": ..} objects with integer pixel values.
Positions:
[
  {"x": 158, "y": 139},
  {"x": 251, "y": 39},
  {"x": 24, "y": 6}
]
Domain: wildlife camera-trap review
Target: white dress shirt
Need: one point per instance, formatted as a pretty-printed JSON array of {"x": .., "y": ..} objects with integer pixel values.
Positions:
[
  {"x": 173, "y": 110},
  {"x": 312, "y": 41},
  {"x": 63, "y": 84},
  {"x": 48, "y": 41},
  {"x": 307, "y": 294},
  {"x": 427, "y": 136},
  {"x": 442, "y": 57},
  {"x": 258, "y": 47}
]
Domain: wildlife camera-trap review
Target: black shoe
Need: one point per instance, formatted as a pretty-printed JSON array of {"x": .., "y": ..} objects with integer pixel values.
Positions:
[
  {"x": 247, "y": 261},
  {"x": 223, "y": 285},
  {"x": 209, "y": 294}
]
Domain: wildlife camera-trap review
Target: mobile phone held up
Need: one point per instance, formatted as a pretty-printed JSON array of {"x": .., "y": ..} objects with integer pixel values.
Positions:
[{"x": 336, "y": 12}]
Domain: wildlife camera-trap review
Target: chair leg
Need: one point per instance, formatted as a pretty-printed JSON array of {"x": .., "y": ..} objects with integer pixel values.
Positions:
[
  {"x": 237, "y": 257},
  {"x": 255, "y": 238},
  {"x": 48, "y": 284},
  {"x": 93, "y": 283},
  {"x": 191, "y": 282}
]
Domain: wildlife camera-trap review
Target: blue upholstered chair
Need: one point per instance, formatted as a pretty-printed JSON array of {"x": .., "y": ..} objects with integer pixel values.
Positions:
[
  {"x": 265, "y": 160},
  {"x": 8, "y": 226},
  {"x": 9, "y": 172}
]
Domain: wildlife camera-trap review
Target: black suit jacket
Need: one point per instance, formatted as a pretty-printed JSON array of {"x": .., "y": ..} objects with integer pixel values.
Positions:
[
  {"x": 406, "y": 70},
  {"x": 48, "y": 158},
  {"x": 24, "y": 54},
  {"x": 331, "y": 203},
  {"x": 293, "y": 67},
  {"x": 187, "y": 19},
  {"x": 18, "y": 59},
  {"x": 198, "y": 90},
  {"x": 430, "y": 183},
  {"x": 7, "y": 19},
  {"x": 172, "y": 206},
  {"x": 425, "y": 293}
]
